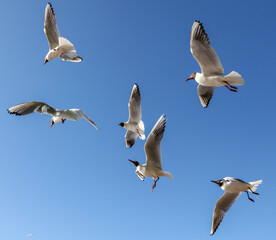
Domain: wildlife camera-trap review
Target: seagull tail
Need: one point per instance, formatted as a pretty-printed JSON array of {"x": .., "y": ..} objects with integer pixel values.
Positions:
[
  {"x": 234, "y": 78},
  {"x": 166, "y": 174},
  {"x": 254, "y": 185}
]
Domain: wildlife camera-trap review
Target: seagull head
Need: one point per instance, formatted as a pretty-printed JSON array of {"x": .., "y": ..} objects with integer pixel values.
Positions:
[
  {"x": 121, "y": 124},
  {"x": 45, "y": 60},
  {"x": 193, "y": 75},
  {"x": 135, "y": 163},
  {"x": 218, "y": 182}
]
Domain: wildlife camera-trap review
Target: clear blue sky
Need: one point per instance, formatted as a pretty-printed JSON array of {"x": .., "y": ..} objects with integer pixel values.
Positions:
[{"x": 72, "y": 182}]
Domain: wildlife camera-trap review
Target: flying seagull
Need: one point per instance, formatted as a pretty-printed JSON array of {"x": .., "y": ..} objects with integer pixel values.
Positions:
[
  {"x": 134, "y": 125},
  {"x": 59, "y": 46},
  {"x": 57, "y": 115},
  {"x": 153, "y": 166},
  {"x": 233, "y": 188},
  {"x": 212, "y": 75}
]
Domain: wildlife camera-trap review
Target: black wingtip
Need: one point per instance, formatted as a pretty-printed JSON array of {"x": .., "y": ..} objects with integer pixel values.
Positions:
[
  {"x": 16, "y": 113},
  {"x": 10, "y": 112},
  {"x": 51, "y": 6}
]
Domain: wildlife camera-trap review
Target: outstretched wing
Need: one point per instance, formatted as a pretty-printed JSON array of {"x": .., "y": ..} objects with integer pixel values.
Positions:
[
  {"x": 153, "y": 144},
  {"x": 74, "y": 115},
  {"x": 89, "y": 120},
  {"x": 50, "y": 27},
  {"x": 205, "y": 94},
  {"x": 30, "y": 107},
  {"x": 134, "y": 105},
  {"x": 130, "y": 138},
  {"x": 205, "y": 55},
  {"x": 221, "y": 208}
]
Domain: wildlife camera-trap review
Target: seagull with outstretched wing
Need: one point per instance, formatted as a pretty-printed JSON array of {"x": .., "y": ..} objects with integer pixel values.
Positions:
[
  {"x": 59, "y": 46},
  {"x": 233, "y": 188},
  {"x": 135, "y": 126},
  {"x": 57, "y": 115},
  {"x": 153, "y": 166},
  {"x": 212, "y": 75}
]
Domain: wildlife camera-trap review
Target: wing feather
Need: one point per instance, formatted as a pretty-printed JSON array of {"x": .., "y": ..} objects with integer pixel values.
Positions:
[
  {"x": 221, "y": 208},
  {"x": 134, "y": 105},
  {"x": 30, "y": 107},
  {"x": 153, "y": 143},
  {"x": 50, "y": 27},
  {"x": 205, "y": 94},
  {"x": 75, "y": 115},
  {"x": 130, "y": 138},
  {"x": 204, "y": 54}
]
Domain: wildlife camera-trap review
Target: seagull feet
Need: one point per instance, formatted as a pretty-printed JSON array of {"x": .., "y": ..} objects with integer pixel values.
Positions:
[
  {"x": 254, "y": 192},
  {"x": 249, "y": 197},
  {"x": 230, "y": 87},
  {"x": 154, "y": 185}
]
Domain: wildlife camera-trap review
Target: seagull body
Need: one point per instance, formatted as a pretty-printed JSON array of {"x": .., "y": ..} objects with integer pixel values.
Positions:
[
  {"x": 59, "y": 46},
  {"x": 212, "y": 75},
  {"x": 153, "y": 166},
  {"x": 233, "y": 188},
  {"x": 135, "y": 126},
  {"x": 57, "y": 115}
]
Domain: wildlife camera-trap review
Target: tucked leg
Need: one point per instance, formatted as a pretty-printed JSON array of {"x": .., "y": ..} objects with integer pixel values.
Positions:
[
  {"x": 230, "y": 85},
  {"x": 154, "y": 185},
  {"x": 233, "y": 90},
  {"x": 249, "y": 197},
  {"x": 254, "y": 192}
]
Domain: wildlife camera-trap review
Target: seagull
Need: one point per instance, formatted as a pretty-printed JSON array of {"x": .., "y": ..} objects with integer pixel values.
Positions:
[
  {"x": 57, "y": 115},
  {"x": 212, "y": 75},
  {"x": 233, "y": 188},
  {"x": 135, "y": 126},
  {"x": 153, "y": 166},
  {"x": 59, "y": 46}
]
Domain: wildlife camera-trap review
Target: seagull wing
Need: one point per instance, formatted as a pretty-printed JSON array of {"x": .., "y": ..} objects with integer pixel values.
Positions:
[
  {"x": 74, "y": 115},
  {"x": 30, "y": 107},
  {"x": 221, "y": 208},
  {"x": 70, "y": 51},
  {"x": 205, "y": 55},
  {"x": 205, "y": 94},
  {"x": 153, "y": 144},
  {"x": 50, "y": 27},
  {"x": 130, "y": 138},
  {"x": 89, "y": 120},
  {"x": 134, "y": 105}
]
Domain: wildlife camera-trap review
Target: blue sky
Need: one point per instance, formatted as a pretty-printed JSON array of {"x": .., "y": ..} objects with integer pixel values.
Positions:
[{"x": 73, "y": 182}]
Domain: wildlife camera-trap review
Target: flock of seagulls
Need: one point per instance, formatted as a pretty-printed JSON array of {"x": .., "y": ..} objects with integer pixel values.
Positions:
[{"x": 211, "y": 77}]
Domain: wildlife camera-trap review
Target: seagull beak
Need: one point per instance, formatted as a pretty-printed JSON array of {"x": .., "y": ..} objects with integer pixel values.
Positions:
[
  {"x": 45, "y": 61},
  {"x": 188, "y": 79},
  {"x": 132, "y": 162},
  {"x": 52, "y": 124},
  {"x": 216, "y": 182}
]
